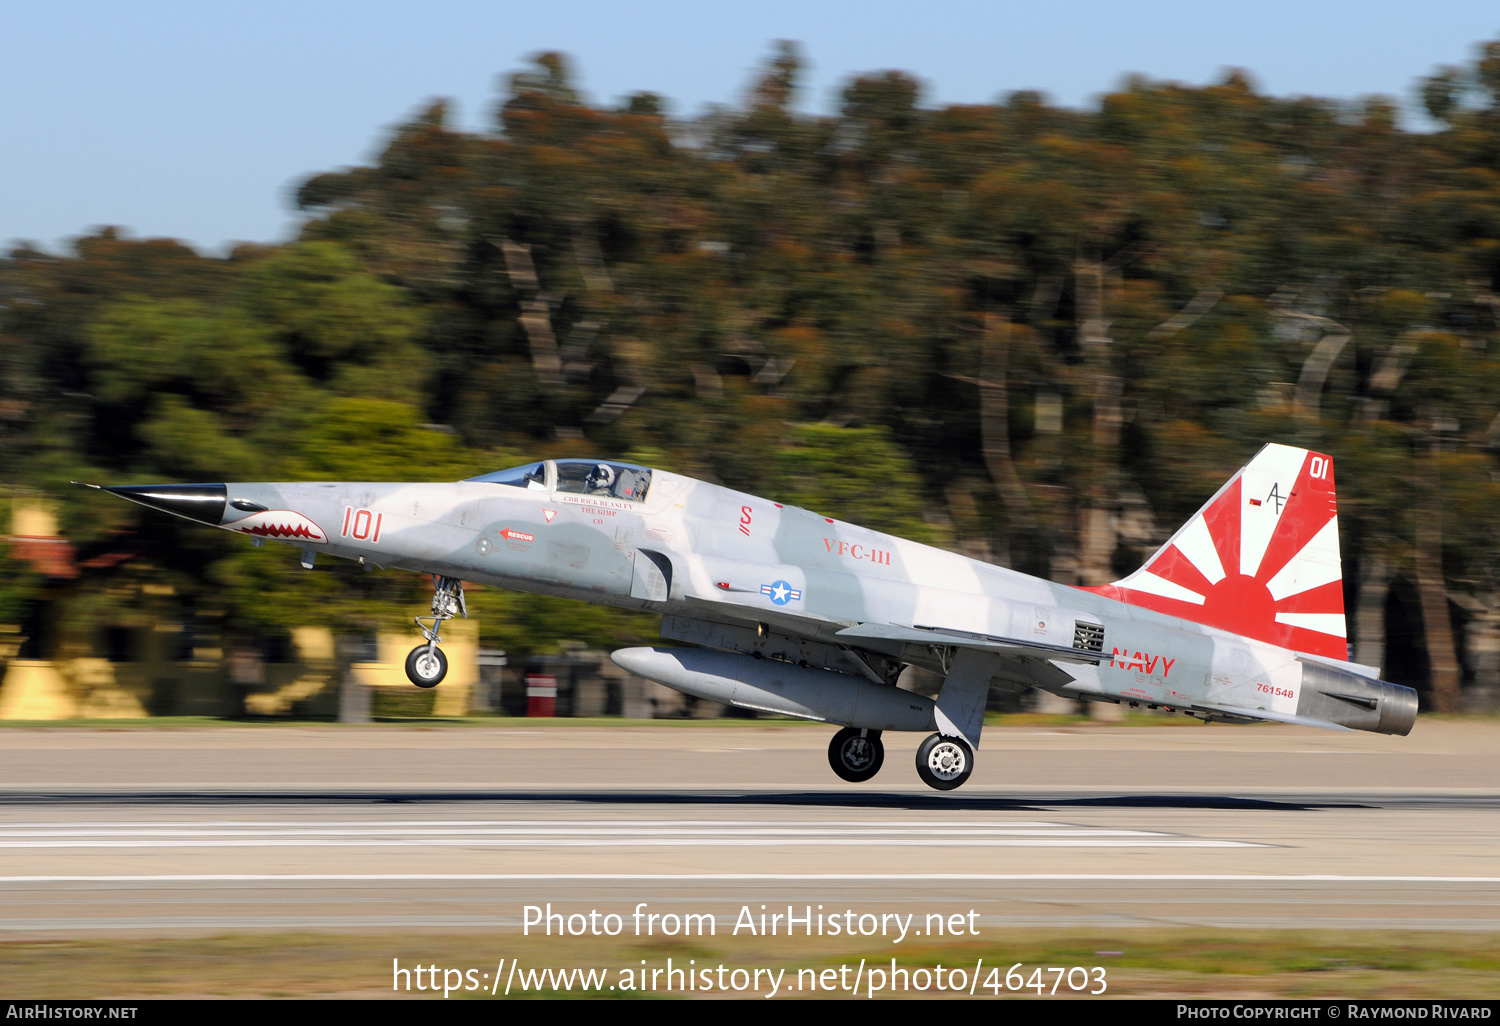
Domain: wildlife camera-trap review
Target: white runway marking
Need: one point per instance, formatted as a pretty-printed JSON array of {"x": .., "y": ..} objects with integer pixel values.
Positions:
[
  {"x": 583, "y": 834},
  {"x": 748, "y": 878}
]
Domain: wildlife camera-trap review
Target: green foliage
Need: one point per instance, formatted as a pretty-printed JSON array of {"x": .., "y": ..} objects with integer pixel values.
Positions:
[
  {"x": 342, "y": 325},
  {"x": 190, "y": 443},
  {"x": 18, "y": 587},
  {"x": 524, "y": 624},
  {"x": 358, "y": 439},
  {"x": 590, "y": 280},
  {"x": 139, "y": 348},
  {"x": 855, "y": 474}
]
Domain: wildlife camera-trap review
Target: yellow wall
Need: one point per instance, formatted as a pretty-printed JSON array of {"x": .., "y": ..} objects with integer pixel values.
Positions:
[
  {"x": 37, "y": 690},
  {"x": 460, "y": 645},
  {"x": 31, "y": 518},
  {"x": 97, "y": 688}
]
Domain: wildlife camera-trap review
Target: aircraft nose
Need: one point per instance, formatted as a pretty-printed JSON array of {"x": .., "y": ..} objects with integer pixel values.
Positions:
[{"x": 201, "y": 502}]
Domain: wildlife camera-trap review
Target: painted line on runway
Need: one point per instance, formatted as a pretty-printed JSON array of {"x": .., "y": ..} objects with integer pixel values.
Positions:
[
  {"x": 595, "y": 834},
  {"x": 24, "y": 836},
  {"x": 563, "y": 824},
  {"x": 744, "y": 878},
  {"x": 651, "y": 842}
]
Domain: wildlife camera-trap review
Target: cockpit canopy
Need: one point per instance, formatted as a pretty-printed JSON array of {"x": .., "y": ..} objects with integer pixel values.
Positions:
[
  {"x": 593, "y": 477},
  {"x": 533, "y": 475},
  {"x": 604, "y": 478}
]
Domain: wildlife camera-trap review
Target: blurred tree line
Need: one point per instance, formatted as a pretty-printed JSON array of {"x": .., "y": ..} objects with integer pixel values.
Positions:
[{"x": 1037, "y": 335}]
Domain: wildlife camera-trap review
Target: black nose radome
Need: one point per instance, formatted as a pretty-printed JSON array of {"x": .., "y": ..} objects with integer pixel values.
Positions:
[{"x": 201, "y": 502}]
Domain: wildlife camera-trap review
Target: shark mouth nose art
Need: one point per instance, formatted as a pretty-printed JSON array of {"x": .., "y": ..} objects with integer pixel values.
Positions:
[{"x": 280, "y": 524}]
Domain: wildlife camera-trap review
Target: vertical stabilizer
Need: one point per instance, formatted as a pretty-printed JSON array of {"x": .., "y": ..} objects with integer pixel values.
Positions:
[{"x": 1261, "y": 558}]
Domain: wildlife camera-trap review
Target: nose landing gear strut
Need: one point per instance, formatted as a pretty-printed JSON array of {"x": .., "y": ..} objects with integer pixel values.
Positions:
[{"x": 426, "y": 665}]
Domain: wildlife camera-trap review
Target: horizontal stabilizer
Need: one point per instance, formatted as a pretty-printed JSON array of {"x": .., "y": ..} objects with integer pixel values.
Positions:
[
  {"x": 965, "y": 639},
  {"x": 1359, "y": 669}
]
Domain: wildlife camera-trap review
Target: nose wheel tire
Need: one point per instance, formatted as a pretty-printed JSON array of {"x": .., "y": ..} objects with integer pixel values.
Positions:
[
  {"x": 426, "y": 666},
  {"x": 944, "y": 762},
  {"x": 855, "y": 754}
]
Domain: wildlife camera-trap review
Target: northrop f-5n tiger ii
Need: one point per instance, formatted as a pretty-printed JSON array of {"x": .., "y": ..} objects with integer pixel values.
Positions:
[{"x": 1238, "y": 617}]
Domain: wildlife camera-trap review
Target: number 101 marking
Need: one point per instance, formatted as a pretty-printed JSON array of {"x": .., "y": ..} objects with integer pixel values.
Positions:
[{"x": 362, "y": 525}]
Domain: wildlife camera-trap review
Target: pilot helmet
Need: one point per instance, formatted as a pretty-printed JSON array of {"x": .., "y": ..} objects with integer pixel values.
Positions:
[{"x": 602, "y": 476}]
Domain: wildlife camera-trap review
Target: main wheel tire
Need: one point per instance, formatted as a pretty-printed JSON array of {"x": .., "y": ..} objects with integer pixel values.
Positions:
[
  {"x": 944, "y": 762},
  {"x": 856, "y": 755},
  {"x": 426, "y": 666}
]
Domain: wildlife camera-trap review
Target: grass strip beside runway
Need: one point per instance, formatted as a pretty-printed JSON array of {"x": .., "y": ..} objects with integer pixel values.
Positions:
[{"x": 1151, "y": 963}]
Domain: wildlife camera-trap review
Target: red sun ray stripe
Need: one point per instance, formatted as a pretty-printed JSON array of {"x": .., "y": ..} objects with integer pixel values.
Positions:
[
  {"x": 1173, "y": 566},
  {"x": 1325, "y": 598},
  {"x": 1223, "y": 520},
  {"x": 1308, "y": 509},
  {"x": 1303, "y": 639}
]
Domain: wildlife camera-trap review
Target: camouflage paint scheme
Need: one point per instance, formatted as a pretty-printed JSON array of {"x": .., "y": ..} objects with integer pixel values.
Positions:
[{"x": 815, "y": 617}]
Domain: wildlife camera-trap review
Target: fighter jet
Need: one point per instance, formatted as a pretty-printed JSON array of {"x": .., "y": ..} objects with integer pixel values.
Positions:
[{"x": 1238, "y": 617}]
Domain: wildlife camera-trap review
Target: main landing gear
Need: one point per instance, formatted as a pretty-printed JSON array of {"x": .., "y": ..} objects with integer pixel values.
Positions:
[
  {"x": 855, "y": 754},
  {"x": 426, "y": 666},
  {"x": 944, "y": 762}
]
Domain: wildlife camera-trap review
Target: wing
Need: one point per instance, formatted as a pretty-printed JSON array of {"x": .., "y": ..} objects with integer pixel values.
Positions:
[
  {"x": 971, "y": 662},
  {"x": 1021, "y": 664},
  {"x": 919, "y": 635}
]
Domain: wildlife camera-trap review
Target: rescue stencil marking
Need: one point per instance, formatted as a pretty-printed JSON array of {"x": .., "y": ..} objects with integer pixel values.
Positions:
[
  {"x": 549, "y": 514},
  {"x": 280, "y": 523}
]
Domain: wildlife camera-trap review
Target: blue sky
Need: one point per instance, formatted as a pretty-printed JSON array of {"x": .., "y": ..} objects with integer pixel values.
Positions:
[{"x": 196, "y": 120}]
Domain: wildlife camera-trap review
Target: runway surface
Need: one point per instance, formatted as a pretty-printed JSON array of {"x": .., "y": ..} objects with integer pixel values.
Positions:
[{"x": 166, "y": 831}]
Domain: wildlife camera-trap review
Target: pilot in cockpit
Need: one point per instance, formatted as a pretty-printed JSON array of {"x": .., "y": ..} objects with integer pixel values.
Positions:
[{"x": 601, "y": 480}]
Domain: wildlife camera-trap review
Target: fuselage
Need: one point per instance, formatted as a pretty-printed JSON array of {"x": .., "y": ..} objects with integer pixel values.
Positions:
[{"x": 700, "y": 553}]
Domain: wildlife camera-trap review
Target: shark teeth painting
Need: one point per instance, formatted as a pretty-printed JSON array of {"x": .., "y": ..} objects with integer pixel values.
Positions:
[{"x": 281, "y": 525}]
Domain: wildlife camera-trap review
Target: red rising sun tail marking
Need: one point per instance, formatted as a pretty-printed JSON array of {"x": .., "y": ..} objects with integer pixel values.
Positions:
[{"x": 1274, "y": 528}]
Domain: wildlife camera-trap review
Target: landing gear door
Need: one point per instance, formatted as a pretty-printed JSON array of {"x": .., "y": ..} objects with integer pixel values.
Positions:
[{"x": 652, "y": 580}]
